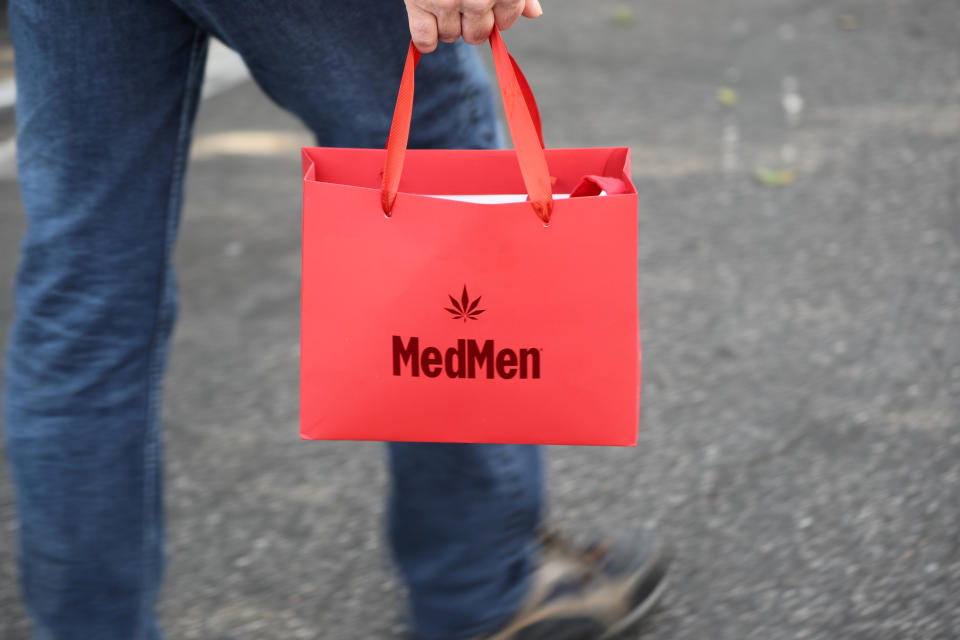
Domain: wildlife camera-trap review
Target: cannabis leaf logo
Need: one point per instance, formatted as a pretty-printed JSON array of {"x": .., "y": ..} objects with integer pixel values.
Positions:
[{"x": 464, "y": 308}]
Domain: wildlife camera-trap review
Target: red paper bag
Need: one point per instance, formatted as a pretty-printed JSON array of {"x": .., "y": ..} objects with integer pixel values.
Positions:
[{"x": 432, "y": 319}]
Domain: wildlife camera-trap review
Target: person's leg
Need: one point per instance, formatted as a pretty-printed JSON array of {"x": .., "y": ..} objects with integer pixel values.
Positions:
[
  {"x": 463, "y": 516},
  {"x": 337, "y": 66},
  {"x": 106, "y": 93},
  {"x": 463, "y": 523}
]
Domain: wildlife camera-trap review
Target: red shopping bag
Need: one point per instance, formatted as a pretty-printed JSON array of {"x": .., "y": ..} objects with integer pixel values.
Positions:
[{"x": 426, "y": 318}]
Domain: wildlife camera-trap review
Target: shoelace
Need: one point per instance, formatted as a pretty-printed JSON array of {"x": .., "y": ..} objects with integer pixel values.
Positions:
[{"x": 591, "y": 557}]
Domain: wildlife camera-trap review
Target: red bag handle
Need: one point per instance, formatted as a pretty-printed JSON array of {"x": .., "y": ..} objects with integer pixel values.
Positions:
[
  {"x": 523, "y": 120},
  {"x": 592, "y": 186}
]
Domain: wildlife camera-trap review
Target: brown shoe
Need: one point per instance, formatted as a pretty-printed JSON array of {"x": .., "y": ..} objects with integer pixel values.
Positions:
[{"x": 590, "y": 592}]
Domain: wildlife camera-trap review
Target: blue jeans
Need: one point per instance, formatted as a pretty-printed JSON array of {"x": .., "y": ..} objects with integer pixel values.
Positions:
[{"x": 107, "y": 92}]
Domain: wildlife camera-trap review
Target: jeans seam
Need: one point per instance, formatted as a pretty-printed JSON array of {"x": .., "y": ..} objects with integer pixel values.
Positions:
[
  {"x": 514, "y": 486},
  {"x": 161, "y": 335}
]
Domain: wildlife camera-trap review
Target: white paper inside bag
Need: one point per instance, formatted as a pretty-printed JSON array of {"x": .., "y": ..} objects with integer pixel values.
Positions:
[{"x": 496, "y": 198}]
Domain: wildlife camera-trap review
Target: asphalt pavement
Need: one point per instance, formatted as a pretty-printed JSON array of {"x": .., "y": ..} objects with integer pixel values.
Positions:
[{"x": 798, "y": 164}]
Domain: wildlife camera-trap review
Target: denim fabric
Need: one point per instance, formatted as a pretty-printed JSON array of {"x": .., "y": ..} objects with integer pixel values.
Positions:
[{"x": 107, "y": 92}]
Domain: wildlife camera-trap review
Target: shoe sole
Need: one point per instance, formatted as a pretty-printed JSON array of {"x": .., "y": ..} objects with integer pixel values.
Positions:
[
  {"x": 658, "y": 575},
  {"x": 572, "y": 628},
  {"x": 638, "y": 613},
  {"x": 646, "y": 592}
]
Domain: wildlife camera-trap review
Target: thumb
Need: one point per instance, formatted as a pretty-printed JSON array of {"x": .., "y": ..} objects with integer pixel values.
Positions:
[{"x": 532, "y": 9}]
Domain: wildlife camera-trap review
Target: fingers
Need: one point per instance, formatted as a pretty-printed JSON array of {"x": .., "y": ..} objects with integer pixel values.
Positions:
[
  {"x": 477, "y": 21},
  {"x": 448, "y": 23},
  {"x": 473, "y": 20},
  {"x": 507, "y": 13},
  {"x": 532, "y": 9},
  {"x": 423, "y": 28}
]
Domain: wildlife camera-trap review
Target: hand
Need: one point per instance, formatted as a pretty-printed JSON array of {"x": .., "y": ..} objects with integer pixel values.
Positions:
[{"x": 473, "y": 20}]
